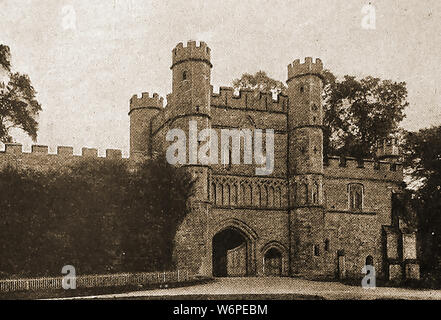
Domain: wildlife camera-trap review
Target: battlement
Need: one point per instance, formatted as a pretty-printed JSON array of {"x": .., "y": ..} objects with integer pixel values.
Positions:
[
  {"x": 387, "y": 149},
  {"x": 296, "y": 68},
  {"x": 64, "y": 151},
  {"x": 249, "y": 99},
  {"x": 145, "y": 101},
  {"x": 363, "y": 169},
  {"x": 191, "y": 52}
]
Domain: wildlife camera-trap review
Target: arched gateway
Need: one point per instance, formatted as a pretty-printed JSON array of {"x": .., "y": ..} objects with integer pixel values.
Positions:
[
  {"x": 287, "y": 221},
  {"x": 233, "y": 250}
]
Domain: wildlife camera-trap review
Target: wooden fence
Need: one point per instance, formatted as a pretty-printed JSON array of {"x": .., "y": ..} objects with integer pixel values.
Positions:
[{"x": 91, "y": 281}]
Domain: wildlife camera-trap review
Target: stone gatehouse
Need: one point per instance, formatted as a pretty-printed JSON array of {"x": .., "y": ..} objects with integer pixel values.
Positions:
[{"x": 309, "y": 217}]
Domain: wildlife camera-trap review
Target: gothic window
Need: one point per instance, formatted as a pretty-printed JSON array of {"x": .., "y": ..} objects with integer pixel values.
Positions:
[
  {"x": 251, "y": 194},
  {"x": 302, "y": 195},
  {"x": 221, "y": 194},
  {"x": 233, "y": 195},
  {"x": 316, "y": 250},
  {"x": 227, "y": 192},
  {"x": 242, "y": 194},
  {"x": 264, "y": 196},
  {"x": 248, "y": 195},
  {"x": 355, "y": 197},
  {"x": 227, "y": 158},
  {"x": 270, "y": 197},
  {"x": 213, "y": 193},
  {"x": 260, "y": 196},
  {"x": 315, "y": 193},
  {"x": 278, "y": 197}
]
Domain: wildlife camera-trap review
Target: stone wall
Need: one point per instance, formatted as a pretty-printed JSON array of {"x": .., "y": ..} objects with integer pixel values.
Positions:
[
  {"x": 359, "y": 234},
  {"x": 40, "y": 159}
]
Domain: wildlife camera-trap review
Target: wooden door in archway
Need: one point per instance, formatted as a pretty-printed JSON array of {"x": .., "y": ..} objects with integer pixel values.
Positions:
[{"x": 273, "y": 262}]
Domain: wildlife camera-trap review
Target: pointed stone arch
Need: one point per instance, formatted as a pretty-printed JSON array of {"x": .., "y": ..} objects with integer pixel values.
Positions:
[
  {"x": 248, "y": 234},
  {"x": 269, "y": 249}
]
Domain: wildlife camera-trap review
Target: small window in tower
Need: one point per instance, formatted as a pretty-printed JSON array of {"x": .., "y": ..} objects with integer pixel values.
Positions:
[
  {"x": 302, "y": 89},
  {"x": 314, "y": 107},
  {"x": 213, "y": 193},
  {"x": 369, "y": 261},
  {"x": 227, "y": 158},
  {"x": 355, "y": 197},
  {"x": 197, "y": 108},
  {"x": 315, "y": 193},
  {"x": 316, "y": 250},
  {"x": 184, "y": 75}
]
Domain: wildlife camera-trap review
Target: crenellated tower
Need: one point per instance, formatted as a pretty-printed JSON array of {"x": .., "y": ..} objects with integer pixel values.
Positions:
[
  {"x": 142, "y": 111},
  {"x": 191, "y": 68},
  {"x": 190, "y": 98},
  {"x": 305, "y": 165}
]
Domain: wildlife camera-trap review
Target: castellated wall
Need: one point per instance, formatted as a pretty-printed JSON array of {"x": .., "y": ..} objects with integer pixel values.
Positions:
[
  {"x": 358, "y": 234},
  {"x": 237, "y": 194},
  {"x": 40, "y": 159},
  {"x": 248, "y": 99},
  {"x": 247, "y": 110}
]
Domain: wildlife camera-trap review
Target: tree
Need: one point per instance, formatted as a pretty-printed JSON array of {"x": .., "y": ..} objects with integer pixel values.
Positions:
[
  {"x": 18, "y": 105},
  {"x": 422, "y": 159},
  {"x": 357, "y": 113},
  {"x": 259, "y": 81},
  {"x": 157, "y": 201}
]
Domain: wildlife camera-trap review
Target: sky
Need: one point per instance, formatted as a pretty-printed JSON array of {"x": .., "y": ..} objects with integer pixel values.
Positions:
[{"x": 86, "y": 58}]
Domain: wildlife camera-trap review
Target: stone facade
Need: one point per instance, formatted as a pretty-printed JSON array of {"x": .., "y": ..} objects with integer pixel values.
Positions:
[
  {"x": 302, "y": 210},
  {"x": 308, "y": 217}
]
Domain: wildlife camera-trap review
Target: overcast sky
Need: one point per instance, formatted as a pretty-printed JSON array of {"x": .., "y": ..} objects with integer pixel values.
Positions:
[{"x": 86, "y": 58}]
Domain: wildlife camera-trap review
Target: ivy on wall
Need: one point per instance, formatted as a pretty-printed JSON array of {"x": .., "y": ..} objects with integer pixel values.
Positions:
[{"x": 98, "y": 215}]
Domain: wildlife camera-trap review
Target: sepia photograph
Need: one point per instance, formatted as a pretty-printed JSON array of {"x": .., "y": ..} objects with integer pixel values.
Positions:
[{"x": 219, "y": 157}]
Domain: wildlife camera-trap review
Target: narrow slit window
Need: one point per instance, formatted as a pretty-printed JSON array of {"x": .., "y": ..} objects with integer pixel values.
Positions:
[{"x": 355, "y": 197}]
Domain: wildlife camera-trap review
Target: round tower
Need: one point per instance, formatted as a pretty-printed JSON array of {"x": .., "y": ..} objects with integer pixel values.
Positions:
[
  {"x": 191, "y": 68},
  {"x": 305, "y": 165},
  {"x": 190, "y": 98},
  {"x": 190, "y": 101},
  {"x": 142, "y": 111}
]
